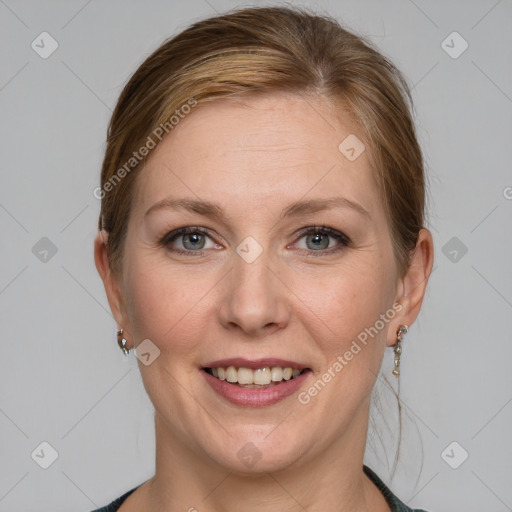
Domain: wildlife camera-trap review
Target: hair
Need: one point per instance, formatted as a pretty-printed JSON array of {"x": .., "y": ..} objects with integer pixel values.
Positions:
[{"x": 265, "y": 50}]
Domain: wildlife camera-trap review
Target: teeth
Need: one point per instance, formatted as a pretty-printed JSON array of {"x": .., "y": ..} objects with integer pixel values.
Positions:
[
  {"x": 261, "y": 376},
  {"x": 277, "y": 374},
  {"x": 252, "y": 378},
  {"x": 245, "y": 376},
  {"x": 231, "y": 374}
]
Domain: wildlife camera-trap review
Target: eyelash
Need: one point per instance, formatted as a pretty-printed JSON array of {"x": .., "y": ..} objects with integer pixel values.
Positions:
[{"x": 340, "y": 237}]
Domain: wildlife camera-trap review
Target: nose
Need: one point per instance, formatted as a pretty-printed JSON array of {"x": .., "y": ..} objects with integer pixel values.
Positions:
[{"x": 254, "y": 298}]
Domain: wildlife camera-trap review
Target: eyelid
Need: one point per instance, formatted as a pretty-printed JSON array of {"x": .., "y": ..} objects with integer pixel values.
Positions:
[
  {"x": 335, "y": 233},
  {"x": 176, "y": 233},
  {"x": 343, "y": 239}
]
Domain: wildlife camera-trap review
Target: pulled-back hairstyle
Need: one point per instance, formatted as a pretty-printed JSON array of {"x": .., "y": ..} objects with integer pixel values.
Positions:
[{"x": 266, "y": 50}]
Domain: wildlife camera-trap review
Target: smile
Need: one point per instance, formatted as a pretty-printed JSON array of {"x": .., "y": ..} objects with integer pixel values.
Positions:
[
  {"x": 260, "y": 383},
  {"x": 255, "y": 378}
]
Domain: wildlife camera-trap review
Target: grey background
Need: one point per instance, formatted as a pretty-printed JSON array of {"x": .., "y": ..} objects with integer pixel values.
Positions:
[{"x": 64, "y": 381}]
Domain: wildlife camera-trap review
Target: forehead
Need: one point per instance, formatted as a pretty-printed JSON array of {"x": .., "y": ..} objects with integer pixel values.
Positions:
[{"x": 253, "y": 150}]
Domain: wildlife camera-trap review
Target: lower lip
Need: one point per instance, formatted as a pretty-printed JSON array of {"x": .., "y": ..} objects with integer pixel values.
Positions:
[{"x": 255, "y": 397}]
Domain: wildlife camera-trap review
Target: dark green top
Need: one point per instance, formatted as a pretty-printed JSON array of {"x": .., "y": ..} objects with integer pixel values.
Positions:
[{"x": 394, "y": 503}]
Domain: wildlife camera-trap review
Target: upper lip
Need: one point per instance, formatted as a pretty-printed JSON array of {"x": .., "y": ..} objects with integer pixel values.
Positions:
[{"x": 240, "y": 362}]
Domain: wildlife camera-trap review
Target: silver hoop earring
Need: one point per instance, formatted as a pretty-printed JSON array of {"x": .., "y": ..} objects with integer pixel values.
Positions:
[{"x": 122, "y": 342}]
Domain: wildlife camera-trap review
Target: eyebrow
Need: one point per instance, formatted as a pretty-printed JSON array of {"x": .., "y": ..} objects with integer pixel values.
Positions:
[{"x": 209, "y": 209}]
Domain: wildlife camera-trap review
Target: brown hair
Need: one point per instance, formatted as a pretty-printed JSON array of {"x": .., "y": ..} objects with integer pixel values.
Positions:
[
  {"x": 265, "y": 50},
  {"x": 258, "y": 51}
]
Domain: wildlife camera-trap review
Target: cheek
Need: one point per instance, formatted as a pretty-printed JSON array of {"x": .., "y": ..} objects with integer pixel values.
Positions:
[
  {"x": 161, "y": 303},
  {"x": 349, "y": 304}
]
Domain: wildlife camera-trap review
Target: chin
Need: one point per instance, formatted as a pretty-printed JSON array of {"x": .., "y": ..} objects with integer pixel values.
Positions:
[{"x": 259, "y": 453}]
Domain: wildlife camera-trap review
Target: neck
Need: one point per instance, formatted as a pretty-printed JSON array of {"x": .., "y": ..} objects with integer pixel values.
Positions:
[{"x": 331, "y": 481}]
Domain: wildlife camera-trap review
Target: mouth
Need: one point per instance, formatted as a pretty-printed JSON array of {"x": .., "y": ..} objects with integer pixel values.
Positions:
[
  {"x": 263, "y": 377},
  {"x": 255, "y": 383}
]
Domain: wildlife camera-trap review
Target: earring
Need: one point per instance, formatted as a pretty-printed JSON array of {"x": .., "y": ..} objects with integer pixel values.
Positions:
[
  {"x": 402, "y": 331},
  {"x": 122, "y": 342}
]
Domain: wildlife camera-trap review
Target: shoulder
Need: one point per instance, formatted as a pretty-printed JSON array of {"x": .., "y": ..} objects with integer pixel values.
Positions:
[
  {"x": 394, "y": 503},
  {"x": 116, "y": 504}
]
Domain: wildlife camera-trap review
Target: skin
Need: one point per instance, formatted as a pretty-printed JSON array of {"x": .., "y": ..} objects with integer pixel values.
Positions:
[{"x": 294, "y": 302}]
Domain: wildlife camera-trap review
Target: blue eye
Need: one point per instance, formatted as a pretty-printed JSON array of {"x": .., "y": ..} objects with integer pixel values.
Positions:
[
  {"x": 193, "y": 240},
  {"x": 318, "y": 238}
]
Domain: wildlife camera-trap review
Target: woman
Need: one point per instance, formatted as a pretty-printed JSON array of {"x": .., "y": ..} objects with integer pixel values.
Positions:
[{"x": 261, "y": 242}]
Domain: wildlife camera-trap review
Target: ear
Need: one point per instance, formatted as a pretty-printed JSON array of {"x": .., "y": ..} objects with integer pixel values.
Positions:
[
  {"x": 111, "y": 282},
  {"x": 411, "y": 287}
]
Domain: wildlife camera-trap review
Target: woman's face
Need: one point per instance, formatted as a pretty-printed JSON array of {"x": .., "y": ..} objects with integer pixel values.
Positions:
[{"x": 254, "y": 289}]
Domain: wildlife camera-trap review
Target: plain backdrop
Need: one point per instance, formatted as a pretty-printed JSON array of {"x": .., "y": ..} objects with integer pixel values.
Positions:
[{"x": 69, "y": 398}]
